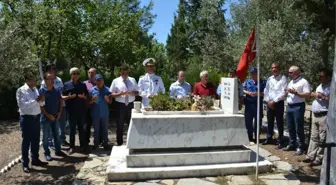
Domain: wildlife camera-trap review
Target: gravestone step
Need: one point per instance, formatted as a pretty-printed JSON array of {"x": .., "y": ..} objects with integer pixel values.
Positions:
[{"x": 191, "y": 157}]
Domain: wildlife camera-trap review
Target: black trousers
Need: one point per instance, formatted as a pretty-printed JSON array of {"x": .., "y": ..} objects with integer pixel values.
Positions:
[
  {"x": 123, "y": 115},
  {"x": 77, "y": 120},
  {"x": 278, "y": 114},
  {"x": 30, "y": 127}
]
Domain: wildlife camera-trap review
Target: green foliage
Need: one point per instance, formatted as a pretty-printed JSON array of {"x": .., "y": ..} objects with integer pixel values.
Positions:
[{"x": 162, "y": 102}]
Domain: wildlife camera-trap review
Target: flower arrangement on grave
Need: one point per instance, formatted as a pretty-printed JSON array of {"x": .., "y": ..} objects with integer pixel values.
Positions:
[{"x": 163, "y": 102}]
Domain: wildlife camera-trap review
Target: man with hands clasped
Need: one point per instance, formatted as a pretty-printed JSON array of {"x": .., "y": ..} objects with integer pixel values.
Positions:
[
  {"x": 274, "y": 95},
  {"x": 123, "y": 89},
  {"x": 51, "y": 113},
  {"x": 75, "y": 96},
  {"x": 297, "y": 91},
  {"x": 150, "y": 84},
  {"x": 100, "y": 100}
]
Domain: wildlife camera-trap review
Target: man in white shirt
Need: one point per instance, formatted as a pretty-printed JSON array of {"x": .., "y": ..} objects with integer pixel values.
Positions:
[
  {"x": 274, "y": 95},
  {"x": 123, "y": 89},
  {"x": 29, "y": 100},
  {"x": 150, "y": 84},
  {"x": 320, "y": 110},
  {"x": 180, "y": 89},
  {"x": 298, "y": 90}
]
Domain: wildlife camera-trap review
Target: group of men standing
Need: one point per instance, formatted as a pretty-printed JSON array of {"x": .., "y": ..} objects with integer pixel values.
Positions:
[
  {"x": 86, "y": 104},
  {"x": 275, "y": 92}
]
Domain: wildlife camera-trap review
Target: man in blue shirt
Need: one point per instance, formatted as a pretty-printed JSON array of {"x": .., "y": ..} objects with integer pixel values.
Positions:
[
  {"x": 51, "y": 113},
  {"x": 180, "y": 89},
  {"x": 100, "y": 100},
  {"x": 75, "y": 96},
  {"x": 251, "y": 103}
]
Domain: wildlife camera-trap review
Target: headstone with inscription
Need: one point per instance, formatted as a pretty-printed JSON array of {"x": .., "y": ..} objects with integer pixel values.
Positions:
[{"x": 229, "y": 95}]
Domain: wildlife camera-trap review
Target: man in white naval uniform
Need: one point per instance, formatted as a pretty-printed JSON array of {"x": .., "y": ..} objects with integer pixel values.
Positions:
[{"x": 150, "y": 84}]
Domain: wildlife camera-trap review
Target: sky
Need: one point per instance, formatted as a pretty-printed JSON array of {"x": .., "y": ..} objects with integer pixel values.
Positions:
[{"x": 164, "y": 10}]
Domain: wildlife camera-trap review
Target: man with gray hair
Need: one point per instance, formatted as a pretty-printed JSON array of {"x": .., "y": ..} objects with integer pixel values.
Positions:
[
  {"x": 75, "y": 95},
  {"x": 180, "y": 89},
  {"x": 204, "y": 87},
  {"x": 297, "y": 91}
]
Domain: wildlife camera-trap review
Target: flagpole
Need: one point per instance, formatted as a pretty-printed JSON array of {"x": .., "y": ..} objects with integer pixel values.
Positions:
[{"x": 258, "y": 104}]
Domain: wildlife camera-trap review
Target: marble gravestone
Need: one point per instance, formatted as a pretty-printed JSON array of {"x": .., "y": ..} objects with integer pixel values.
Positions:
[{"x": 229, "y": 95}]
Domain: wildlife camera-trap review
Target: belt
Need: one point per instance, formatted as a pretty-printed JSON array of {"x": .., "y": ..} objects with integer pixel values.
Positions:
[
  {"x": 320, "y": 114},
  {"x": 295, "y": 104},
  {"x": 34, "y": 116}
]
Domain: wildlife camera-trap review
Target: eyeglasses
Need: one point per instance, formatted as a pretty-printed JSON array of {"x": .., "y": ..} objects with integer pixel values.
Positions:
[
  {"x": 75, "y": 74},
  {"x": 290, "y": 72}
]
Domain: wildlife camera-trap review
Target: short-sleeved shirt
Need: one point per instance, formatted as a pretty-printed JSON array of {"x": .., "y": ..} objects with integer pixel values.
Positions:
[
  {"x": 119, "y": 85},
  {"x": 76, "y": 105},
  {"x": 58, "y": 85},
  {"x": 300, "y": 85},
  {"x": 252, "y": 86},
  {"x": 100, "y": 107},
  {"x": 204, "y": 90},
  {"x": 51, "y": 101},
  {"x": 178, "y": 89},
  {"x": 320, "y": 105}
]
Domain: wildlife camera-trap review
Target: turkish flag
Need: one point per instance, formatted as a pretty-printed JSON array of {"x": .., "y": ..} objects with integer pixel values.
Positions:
[{"x": 248, "y": 55}]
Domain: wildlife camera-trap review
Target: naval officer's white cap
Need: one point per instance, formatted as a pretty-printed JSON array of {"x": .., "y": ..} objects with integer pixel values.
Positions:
[{"x": 149, "y": 61}]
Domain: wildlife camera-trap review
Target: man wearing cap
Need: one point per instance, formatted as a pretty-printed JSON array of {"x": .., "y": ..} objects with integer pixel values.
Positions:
[
  {"x": 123, "y": 89},
  {"x": 150, "y": 84},
  {"x": 58, "y": 85},
  {"x": 298, "y": 89},
  {"x": 75, "y": 96},
  {"x": 180, "y": 89},
  {"x": 251, "y": 103},
  {"x": 100, "y": 100}
]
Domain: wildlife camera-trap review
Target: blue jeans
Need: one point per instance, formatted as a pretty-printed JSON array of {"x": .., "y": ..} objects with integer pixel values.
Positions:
[
  {"x": 54, "y": 127},
  {"x": 295, "y": 123},
  {"x": 100, "y": 127},
  {"x": 278, "y": 115},
  {"x": 30, "y": 127},
  {"x": 62, "y": 124},
  {"x": 250, "y": 115}
]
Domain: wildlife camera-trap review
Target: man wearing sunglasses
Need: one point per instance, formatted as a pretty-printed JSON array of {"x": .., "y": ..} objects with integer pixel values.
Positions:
[
  {"x": 150, "y": 84},
  {"x": 297, "y": 91},
  {"x": 75, "y": 95}
]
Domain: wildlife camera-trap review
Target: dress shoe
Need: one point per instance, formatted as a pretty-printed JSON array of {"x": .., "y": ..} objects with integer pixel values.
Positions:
[
  {"x": 71, "y": 151},
  {"x": 279, "y": 146},
  {"x": 65, "y": 143},
  {"x": 299, "y": 151},
  {"x": 316, "y": 163},
  {"x": 26, "y": 169},
  {"x": 38, "y": 162},
  {"x": 107, "y": 148},
  {"x": 306, "y": 160},
  {"x": 289, "y": 148},
  {"x": 267, "y": 142},
  {"x": 60, "y": 154},
  {"x": 48, "y": 158}
]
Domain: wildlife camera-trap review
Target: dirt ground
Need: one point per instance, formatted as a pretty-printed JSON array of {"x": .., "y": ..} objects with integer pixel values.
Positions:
[
  {"x": 63, "y": 170},
  {"x": 59, "y": 171}
]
